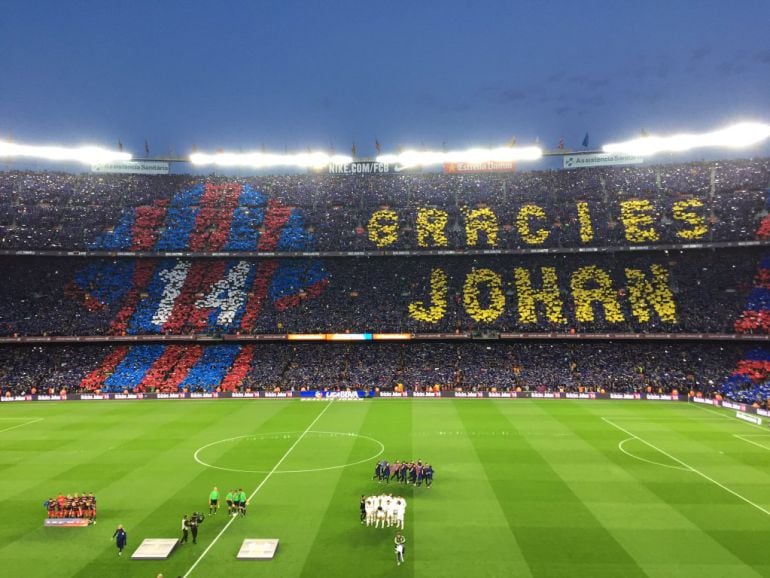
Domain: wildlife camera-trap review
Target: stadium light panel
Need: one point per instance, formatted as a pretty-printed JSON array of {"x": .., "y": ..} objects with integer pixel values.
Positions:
[
  {"x": 306, "y": 337},
  {"x": 735, "y": 136},
  {"x": 86, "y": 154},
  {"x": 391, "y": 336},
  {"x": 412, "y": 158},
  {"x": 260, "y": 160}
]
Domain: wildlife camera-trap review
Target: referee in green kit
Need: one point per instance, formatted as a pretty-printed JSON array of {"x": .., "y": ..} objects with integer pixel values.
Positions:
[{"x": 214, "y": 501}]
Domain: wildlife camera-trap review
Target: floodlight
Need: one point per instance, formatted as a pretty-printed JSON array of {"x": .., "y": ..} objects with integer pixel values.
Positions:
[
  {"x": 735, "y": 136},
  {"x": 411, "y": 158},
  {"x": 86, "y": 154}
]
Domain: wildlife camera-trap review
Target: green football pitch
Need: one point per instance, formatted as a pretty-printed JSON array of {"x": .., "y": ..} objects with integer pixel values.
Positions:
[{"x": 522, "y": 487}]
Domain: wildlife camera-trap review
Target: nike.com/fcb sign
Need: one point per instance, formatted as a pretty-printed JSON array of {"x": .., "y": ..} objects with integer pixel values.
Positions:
[
  {"x": 363, "y": 168},
  {"x": 599, "y": 160}
]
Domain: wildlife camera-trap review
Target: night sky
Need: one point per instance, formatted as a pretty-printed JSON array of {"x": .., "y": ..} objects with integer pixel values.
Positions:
[{"x": 321, "y": 74}]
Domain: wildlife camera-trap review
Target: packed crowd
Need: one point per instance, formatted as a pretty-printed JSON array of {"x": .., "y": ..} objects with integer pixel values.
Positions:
[
  {"x": 675, "y": 291},
  {"x": 334, "y": 213},
  {"x": 47, "y": 370},
  {"x": 469, "y": 366},
  {"x": 693, "y": 291},
  {"x": 750, "y": 380}
]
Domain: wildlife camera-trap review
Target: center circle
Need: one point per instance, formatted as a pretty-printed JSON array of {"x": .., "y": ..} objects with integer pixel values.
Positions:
[{"x": 246, "y": 443}]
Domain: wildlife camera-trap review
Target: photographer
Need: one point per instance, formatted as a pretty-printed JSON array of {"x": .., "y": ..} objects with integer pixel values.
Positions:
[
  {"x": 195, "y": 520},
  {"x": 185, "y": 530}
]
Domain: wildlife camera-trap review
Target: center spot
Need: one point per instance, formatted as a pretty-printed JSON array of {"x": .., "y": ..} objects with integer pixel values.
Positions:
[{"x": 317, "y": 451}]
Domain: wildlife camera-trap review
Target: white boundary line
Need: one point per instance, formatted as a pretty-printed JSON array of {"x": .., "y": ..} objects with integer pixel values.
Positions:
[
  {"x": 306, "y": 471},
  {"x": 259, "y": 487},
  {"x": 690, "y": 468},
  {"x": 730, "y": 417},
  {"x": 35, "y": 420},
  {"x": 677, "y": 418},
  {"x": 629, "y": 454},
  {"x": 743, "y": 437}
]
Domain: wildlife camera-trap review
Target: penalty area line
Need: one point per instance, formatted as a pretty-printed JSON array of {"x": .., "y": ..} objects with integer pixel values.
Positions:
[
  {"x": 759, "y": 445},
  {"x": 690, "y": 468},
  {"x": 259, "y": 487},
  {"x": 21, "y": 424}
]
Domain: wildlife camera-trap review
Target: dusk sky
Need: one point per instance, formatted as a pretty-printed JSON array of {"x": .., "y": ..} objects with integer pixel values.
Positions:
[{"x": 301, "y": 74}]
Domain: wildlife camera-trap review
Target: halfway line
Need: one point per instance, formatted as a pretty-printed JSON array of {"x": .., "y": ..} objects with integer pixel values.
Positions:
[
  {"x": 689, "y": 467},
  {"x": 259, "y": 487}
]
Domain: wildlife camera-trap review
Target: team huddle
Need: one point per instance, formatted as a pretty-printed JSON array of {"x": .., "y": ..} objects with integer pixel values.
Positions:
[
  {"x": 383, "y": 511},
  {"x": 77, "y": 506},
  {"x": 414, "y": 472},
  {"x": 387, "y": 510},
  {"x": 236, "y": 502}
]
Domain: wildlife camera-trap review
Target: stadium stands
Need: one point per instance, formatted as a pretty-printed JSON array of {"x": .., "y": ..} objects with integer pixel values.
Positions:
[
  {"x": 593, "y": 250},
  {"x": 705, "y": 202},
  {"x": 689, "y": 292},
  {"x": 537, "y": 366}
]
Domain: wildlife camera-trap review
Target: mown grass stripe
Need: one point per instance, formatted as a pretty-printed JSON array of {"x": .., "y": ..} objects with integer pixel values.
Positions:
[
  {"x": 259, "y": 487},
  {"x": 549, "y": 474},
  {"x": 340, "y": 520},
  {"x": 553, "y": 526},
  {"x": 691, "y": 468},
  {"x": 714, "y": 514}
]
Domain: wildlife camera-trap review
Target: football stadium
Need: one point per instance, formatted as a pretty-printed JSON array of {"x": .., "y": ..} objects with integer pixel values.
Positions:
[{"x": 484, "y": 357}]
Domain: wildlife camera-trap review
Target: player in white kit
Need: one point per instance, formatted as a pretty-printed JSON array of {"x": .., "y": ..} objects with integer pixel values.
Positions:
[
  {"x": 400, "y": 512},
  {"x": 370, "y": 509}
]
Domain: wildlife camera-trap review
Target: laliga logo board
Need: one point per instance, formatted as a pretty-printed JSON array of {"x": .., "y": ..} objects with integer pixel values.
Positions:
[{"x": 175, "y": 296}]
